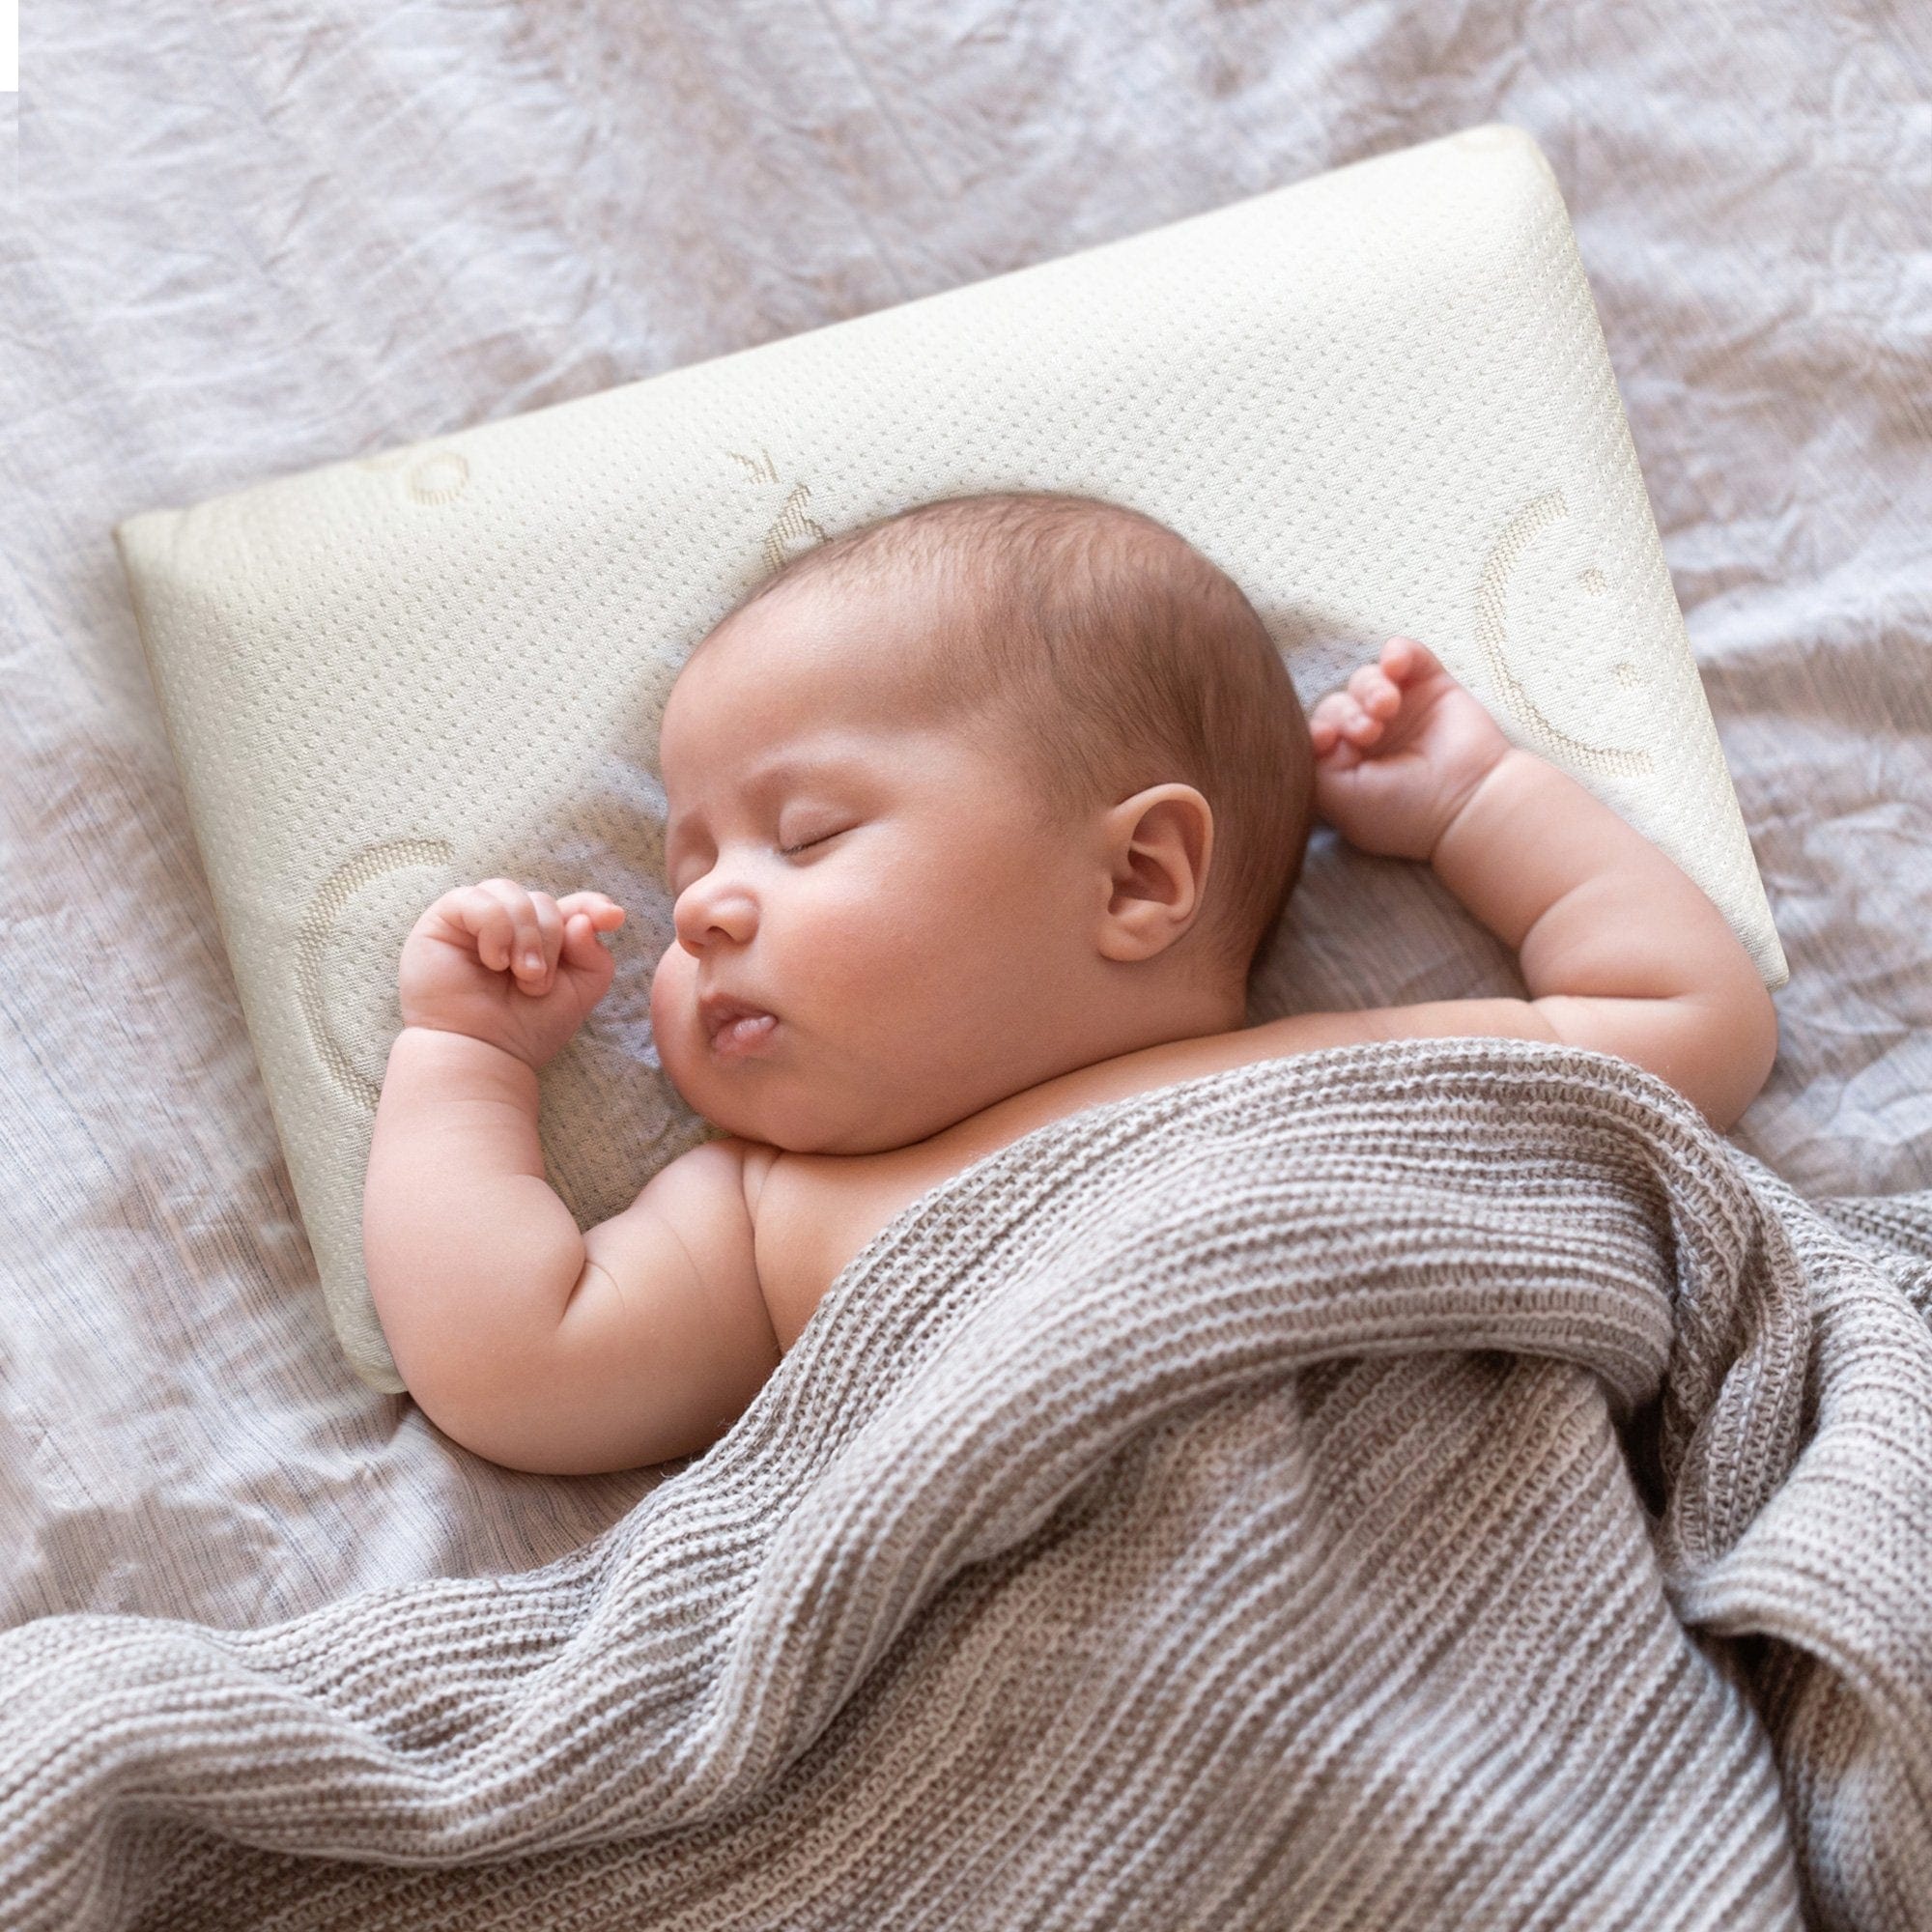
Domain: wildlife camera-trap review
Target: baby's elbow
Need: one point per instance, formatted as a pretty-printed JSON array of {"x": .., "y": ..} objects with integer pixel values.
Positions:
[
  {"x": 1740, "y": 1034},
  {"x": 1762, "y": 1051},
  {"x": 488, "y": 1424}
]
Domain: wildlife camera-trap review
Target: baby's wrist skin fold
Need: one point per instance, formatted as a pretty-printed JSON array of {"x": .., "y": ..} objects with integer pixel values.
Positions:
[
  {"x": 1589, "y": 904},
  {"x": 435, "y": 1036},
  {"x": 1522, "y": 840},
  {"x": 1462, "y": 807}
]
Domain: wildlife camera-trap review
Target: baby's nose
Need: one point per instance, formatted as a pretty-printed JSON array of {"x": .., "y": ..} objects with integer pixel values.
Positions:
[{"x": 711, "y": 909}]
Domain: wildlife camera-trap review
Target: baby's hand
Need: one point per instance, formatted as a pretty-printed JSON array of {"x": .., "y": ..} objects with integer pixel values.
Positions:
[
  {"x": 1398, "y": 749},
  {"x": 515, "y": 968}
]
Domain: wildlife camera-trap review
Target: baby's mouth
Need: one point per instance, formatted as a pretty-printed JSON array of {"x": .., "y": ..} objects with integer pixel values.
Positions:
[
  {"x": 735, "y": 1026},
  {"x": 744, "y": 1035}
]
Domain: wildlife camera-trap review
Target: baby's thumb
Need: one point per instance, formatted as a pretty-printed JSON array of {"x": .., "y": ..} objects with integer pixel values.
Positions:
[{"x": 580, "y": 941}]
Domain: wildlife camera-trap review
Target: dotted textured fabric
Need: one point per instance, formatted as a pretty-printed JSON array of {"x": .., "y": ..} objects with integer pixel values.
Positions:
[
  {"x": 1436, "y": 1482},
  {"x": 1380, "y": 398}
]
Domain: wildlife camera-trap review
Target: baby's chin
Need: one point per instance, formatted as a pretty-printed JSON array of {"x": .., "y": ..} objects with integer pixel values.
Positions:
[
  {"x": 758, "y": 1099},
  {"x": 787, "y": 1121},
  {"x": 815, "y": 1101},
  {"x": 791, "y": 1110}
]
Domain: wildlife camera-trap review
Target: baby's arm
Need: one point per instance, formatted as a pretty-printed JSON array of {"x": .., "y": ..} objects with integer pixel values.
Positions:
[
  {"x": 528, "y": 1343},
  {"x": 1620, "y": 949}
]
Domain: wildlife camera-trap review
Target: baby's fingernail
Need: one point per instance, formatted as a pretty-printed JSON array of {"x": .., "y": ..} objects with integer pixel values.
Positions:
[{"x": 532, "y": 962}]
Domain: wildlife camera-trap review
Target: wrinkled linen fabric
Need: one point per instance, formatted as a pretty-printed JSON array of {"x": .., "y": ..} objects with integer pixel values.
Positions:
[
  {"x": 240, "y": 240},
  {"x": 1425, "y": 1484}
]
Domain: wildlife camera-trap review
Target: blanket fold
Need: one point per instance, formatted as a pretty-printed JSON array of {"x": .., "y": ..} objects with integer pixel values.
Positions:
[{"x": 1439, "y": 1483}]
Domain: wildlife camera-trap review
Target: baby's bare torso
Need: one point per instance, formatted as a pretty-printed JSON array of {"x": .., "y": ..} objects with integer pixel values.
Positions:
[{"x": 813, "y": 1213}]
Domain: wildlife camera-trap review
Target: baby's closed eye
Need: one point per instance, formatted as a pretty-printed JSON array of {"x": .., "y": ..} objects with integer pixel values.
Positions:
[{"x": 804, "y": 844}]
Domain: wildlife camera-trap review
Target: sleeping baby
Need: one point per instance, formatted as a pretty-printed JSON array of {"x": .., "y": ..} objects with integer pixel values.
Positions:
[{"x": 977, "y": 816}]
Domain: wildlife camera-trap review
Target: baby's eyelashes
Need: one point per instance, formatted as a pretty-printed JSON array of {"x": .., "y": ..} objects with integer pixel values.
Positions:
[{"x": 805, "y": 845}]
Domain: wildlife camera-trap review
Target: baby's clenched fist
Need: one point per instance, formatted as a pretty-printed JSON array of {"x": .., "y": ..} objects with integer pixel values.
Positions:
[
  {"x": 1398, "y": 749},
  {"x": 513, "y": 966}
]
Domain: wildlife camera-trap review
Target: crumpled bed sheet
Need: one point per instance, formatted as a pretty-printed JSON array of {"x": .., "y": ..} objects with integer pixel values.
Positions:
[{"x": 237, "y": 241}]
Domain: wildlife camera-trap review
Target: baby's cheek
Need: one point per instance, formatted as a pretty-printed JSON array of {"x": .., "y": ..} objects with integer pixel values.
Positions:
[
  {"x": 670, "y": 997},
  {"x": 870, "y": 952}
]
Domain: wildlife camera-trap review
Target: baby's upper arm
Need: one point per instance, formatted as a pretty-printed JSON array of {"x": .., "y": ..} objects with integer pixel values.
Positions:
[
  {"x": 664, "y": 1339},
  {"x": 1716, "y": 1049},
  {"x": 1428, "y": 1019}
]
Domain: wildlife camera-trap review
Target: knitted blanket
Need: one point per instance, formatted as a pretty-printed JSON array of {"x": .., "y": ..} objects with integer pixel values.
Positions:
[{"x": 1424, "y": 1485}]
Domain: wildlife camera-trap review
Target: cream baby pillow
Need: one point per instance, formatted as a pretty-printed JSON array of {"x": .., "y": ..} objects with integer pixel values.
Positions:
[{"x": 1380, "y": 399}]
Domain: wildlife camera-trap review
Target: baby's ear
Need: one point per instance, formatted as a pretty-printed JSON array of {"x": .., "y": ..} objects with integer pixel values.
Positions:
[{"x": 1159, "y": 843}]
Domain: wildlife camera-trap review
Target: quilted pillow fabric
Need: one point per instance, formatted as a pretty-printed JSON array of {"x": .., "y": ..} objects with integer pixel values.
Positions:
[{"x": 1380, "y": 399}]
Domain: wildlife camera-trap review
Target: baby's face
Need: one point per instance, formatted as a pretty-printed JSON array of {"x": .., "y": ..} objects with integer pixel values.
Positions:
[{"x": 873, "y": 881}]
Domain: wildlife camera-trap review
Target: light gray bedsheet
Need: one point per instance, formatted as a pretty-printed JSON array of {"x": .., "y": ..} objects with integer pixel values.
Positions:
[{"x": 239, "y": 241}]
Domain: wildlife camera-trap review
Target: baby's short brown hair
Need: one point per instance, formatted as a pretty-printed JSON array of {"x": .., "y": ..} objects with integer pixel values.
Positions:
[{"x": 1113, "y": 656}]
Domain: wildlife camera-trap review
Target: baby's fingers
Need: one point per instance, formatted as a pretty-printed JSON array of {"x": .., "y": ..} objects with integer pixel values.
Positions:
[
  {"x": 588, "y": 915},
  {"x": 1325, "y": 720},
  {"x": 1339, "y": 717},
  {"x": 603, "y": 911},
  {"x": 480, "y": 913},
  {"x": 585, "y": 915},
  {"x": 1406, "y": 660},
  {"x": 1377, "y": 694},
  {"x": 521, "y": 935},
  {"x": 536, "y": 957}
]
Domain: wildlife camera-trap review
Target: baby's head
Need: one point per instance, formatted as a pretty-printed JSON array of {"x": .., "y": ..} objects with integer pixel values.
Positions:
[{"x": 977, "y": 794}]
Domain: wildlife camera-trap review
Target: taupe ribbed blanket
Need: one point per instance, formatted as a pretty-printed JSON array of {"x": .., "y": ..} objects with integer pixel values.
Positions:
[{"x": 1429, "y": 1485}]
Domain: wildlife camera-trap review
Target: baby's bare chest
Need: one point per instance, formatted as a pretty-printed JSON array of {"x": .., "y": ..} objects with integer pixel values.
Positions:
[{"x": 814, "y": 1213}]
